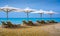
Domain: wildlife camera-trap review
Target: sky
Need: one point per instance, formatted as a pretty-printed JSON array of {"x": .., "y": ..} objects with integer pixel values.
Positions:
[{"x": 46, "y": 5}]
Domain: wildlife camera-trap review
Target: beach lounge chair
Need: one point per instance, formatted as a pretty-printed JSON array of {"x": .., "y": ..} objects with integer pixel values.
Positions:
[
  {"x": 13, "y": 25},
  {"x": 41, "y": 22},
  {"x": 4, "y": 25},
  {"x": 25, "y": 23},
  {"x": 10, "y": 24},
  {"x": 51, "y": 21},
  {"x": 31, "y": 23},
  {"x": 38, "y": 21}
]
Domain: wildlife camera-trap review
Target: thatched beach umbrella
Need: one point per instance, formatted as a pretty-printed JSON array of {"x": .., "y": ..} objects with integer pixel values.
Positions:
[
  {"x": 28, "y": 10},
  {"x": 41, "y": 12},
  {"x": 8, "y": 9},
  {"x": 50, "y": 13}
]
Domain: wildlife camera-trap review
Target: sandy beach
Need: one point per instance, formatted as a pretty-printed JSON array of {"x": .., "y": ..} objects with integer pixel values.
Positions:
[{"x": 46, "y": 30}]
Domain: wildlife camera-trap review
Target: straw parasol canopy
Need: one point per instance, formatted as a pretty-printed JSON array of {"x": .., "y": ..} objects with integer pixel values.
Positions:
[
  {"x": 50, "y": 13},
  {"x": 8, "y": 9},
  {"x": 41, "y": 12},
  {"x": 28, "y": 10}
]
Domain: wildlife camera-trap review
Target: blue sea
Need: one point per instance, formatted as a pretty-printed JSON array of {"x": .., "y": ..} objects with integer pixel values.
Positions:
[{"x": 19, "y": 20}]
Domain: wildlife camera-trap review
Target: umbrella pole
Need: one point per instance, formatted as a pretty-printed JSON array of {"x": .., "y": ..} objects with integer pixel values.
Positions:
[
  {"x": 51, "y": 16},
  {"x": 27, "y": 17},
  {"x": 41, "y": 16},
  {"x": 7, "y": 15}
]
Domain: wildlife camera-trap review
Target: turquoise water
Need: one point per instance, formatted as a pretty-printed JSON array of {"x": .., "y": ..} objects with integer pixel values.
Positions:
[{"x": 19, "y": 20}]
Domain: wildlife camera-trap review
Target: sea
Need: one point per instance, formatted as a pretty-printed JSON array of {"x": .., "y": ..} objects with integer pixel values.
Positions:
[{"x": 19, "y": 20}]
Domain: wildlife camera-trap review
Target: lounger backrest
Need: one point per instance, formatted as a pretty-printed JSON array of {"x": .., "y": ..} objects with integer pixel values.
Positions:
[{"x": 3, "y": 23}]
